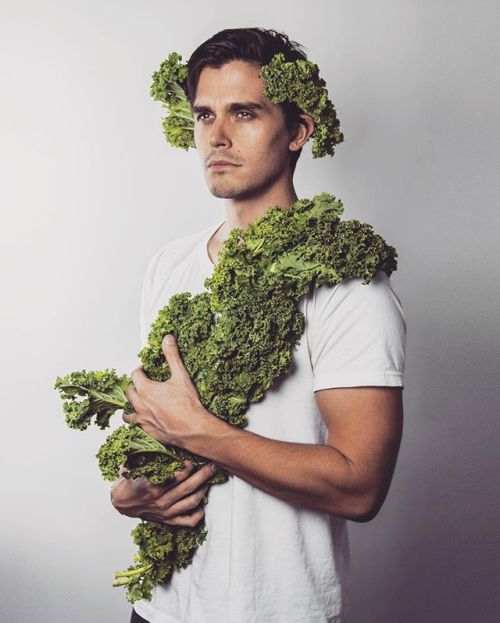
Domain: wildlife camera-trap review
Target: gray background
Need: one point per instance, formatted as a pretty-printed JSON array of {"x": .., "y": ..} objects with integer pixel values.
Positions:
[{"x": 91, "y": 190}]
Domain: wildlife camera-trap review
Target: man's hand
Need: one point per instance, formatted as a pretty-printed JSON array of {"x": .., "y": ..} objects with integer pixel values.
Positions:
[
  {"x": 171, "y": 411},
  {"x": 164, "y": 504}
]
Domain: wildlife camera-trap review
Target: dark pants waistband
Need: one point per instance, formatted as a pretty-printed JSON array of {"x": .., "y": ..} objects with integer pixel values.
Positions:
[{"x": 135, "y": 618}]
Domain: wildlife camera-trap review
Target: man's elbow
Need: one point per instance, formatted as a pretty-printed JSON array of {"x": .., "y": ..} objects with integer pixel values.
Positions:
[
  {"x": 366, "y": 507},
  {"x": 365, "y": 516},
  {"x": 362, "y": 508}
]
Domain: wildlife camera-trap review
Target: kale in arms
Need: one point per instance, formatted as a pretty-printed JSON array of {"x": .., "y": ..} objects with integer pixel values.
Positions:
[
  {"x": 236, "y": 340},
  {"x": 162, "y": 548}
]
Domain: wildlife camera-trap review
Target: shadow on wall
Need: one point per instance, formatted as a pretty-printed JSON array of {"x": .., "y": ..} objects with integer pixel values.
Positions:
[{"x": 432, "y": 552}]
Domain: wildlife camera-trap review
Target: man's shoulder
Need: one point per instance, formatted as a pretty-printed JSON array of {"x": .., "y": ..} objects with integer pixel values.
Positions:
[
  {"x": 352, "y": 300},
  {"x": 353, "y": 290}
]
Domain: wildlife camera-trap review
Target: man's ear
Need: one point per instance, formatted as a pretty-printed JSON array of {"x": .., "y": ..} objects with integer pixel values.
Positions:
[{"x": 303, "y": 131}]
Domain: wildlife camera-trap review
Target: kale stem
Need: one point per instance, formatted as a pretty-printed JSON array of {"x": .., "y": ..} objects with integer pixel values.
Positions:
[
  {"x": 122, "y": 575},
  {"x": 122, "y": 582},
  {"x": 183, "y": 127},
  {"x": 184, "y": 115}
]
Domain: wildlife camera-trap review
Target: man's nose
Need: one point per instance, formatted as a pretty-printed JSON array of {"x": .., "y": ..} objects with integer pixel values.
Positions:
[{"x": 219, "y": 133}]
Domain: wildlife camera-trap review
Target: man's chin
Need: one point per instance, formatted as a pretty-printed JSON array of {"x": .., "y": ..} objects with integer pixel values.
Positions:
[{"x": 224, "y": 192}]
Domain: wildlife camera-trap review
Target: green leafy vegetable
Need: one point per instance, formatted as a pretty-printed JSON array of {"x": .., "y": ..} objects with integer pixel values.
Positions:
[
  {"x": 86, "y": 394},
  {"x": 178, "y": 125},
  {"x": 236, "y": 340},
  {"x": 299, "y": 82},
  {"x": 286, "y": 81}
]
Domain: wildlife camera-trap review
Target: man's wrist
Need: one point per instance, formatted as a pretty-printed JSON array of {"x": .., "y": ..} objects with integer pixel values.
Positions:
[{"x": 199, "y": 439}]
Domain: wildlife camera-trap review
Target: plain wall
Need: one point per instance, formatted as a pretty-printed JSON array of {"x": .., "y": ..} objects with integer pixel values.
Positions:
[{"x": 90, "y": 190}]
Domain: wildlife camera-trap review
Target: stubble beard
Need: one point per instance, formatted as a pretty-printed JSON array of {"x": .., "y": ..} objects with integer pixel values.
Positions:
[{"x": 227, "y": 189}]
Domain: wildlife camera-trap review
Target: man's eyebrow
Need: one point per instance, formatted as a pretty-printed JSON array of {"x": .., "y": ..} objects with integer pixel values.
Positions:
[{"x": 231, "y": 107}]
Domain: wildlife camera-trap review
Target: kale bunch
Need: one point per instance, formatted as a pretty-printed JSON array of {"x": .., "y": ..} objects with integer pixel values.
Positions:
[
  {"x": 163, "y": 549},
  {"x": 236, "y": 340},
  {"x": 299, "y": 82}
]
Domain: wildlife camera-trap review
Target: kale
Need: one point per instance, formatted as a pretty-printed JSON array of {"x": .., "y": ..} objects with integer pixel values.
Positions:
[
  {"x": 236, "y": 339},
  {"x": 286, "y": 81},
  {"x": 178, "y": 125},
  {"x": 86, "y": 394},
  {"x": 299, "y": 82}
]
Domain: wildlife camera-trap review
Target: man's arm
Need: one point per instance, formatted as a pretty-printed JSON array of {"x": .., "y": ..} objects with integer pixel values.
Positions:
[{"x": 349, "y": 476}]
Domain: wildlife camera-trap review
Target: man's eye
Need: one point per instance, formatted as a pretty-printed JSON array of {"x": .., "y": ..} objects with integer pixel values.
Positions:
[{"x": 240, "y": 112}]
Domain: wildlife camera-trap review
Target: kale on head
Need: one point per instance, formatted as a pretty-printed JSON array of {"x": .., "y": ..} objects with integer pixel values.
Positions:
[
  {"x": 178, "y": 125},
  {"x": 297, "y": 82}
]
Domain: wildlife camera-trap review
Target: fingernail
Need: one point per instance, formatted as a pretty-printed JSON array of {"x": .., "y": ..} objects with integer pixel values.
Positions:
[
  {"x": 213, "y": 467},
  {"x": 169, "y": 339}
]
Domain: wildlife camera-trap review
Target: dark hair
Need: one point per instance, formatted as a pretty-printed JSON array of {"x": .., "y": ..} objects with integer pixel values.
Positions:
[{"x": 255, "y": 45}]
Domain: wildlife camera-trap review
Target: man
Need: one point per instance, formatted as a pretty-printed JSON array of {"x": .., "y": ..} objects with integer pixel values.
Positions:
[{"x": 321, "y": 446}]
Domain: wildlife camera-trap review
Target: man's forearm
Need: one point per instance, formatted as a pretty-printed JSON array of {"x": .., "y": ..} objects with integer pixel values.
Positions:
[{"x": 312, "y": 476}]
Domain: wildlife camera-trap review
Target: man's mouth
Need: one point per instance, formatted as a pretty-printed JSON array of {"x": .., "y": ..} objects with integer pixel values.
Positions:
[
  {"x": 221, "y": 166},
  {"x": 221, "y": 163}
]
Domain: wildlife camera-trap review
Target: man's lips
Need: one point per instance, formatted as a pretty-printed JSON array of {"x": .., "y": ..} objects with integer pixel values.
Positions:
[{"x": 221, "y": 163}]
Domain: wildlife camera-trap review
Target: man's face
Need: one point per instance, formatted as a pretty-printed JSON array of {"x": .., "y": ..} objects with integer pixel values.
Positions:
[{"x": 235, "y": 122}]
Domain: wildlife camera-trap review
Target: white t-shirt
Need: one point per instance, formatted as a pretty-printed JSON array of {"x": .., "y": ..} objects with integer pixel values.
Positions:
[{"x": 264, "y": 560}]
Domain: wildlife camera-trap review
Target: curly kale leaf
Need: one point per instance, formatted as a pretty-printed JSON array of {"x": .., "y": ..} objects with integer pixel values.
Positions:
[
  {"x": 178, "y": 125},
  {"x": 162, "y": 550},
  {"x": 86, "y": 394},
  {"x": 142, "y": 455},
  {"x": 299, "y": 82}
]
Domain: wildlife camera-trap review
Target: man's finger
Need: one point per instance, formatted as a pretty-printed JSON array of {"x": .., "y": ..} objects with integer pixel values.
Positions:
[
  {"x": 129, "y": 417},
  {"x": 133, "y": 397},
  {"x": 182, "y": 473},
  {"x": 172, "y": 355},
  {"x": 200, "y": 476},
  {"x": 139, "y": 379}
]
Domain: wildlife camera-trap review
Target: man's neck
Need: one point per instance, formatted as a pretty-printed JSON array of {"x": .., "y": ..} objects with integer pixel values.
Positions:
[{"x": 241, "y": 212}]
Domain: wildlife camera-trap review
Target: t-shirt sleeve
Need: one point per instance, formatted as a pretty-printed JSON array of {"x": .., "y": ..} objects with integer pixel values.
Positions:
[{"x": 357, "y": 334}]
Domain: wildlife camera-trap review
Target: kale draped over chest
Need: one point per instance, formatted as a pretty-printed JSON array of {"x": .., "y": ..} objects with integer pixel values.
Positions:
[{"x": 237, "y": 337}]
